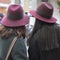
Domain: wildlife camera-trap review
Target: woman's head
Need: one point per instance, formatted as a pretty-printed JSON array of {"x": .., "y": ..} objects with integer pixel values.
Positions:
[{"x": 14, "y": 22}]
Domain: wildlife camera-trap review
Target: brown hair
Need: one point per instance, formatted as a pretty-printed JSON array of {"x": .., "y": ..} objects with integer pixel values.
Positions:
[{"x": 6, "y": 32}]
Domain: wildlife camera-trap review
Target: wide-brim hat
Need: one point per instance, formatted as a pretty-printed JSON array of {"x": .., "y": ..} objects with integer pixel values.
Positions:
[
  {"x": 44, "y": 12},
  {"x": 15, "y": 16}
]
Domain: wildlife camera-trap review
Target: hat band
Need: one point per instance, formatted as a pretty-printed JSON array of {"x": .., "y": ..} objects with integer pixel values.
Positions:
[
  {"x": 43, "y": 15},
  {"x": 15, "y": 16}
]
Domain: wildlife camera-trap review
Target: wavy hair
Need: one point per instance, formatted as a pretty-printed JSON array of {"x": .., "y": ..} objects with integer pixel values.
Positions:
[{"x": 6, "y": 32}]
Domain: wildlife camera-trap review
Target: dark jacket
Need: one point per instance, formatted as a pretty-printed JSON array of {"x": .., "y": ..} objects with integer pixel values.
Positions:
[
  {"x": 36, "y": 54},
  {"x": 37, "y": 51},
  {"x": 18, "y": 52}
]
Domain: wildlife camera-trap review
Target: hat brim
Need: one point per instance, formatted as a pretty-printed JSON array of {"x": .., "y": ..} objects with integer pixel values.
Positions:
[
  {"x": 11, "y": 23},
  {"x": 51, "y": 20}
]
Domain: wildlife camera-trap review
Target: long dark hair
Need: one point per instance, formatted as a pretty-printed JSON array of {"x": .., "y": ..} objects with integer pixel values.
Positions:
[
  {"x": 6, "y": 32},
  {"x": 45, "y": 34}
]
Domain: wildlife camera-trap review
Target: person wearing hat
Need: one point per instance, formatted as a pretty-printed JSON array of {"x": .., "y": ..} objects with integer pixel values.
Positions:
[
  {"x": 44, "y": 43},
  {"x": 13, "y": 27}
]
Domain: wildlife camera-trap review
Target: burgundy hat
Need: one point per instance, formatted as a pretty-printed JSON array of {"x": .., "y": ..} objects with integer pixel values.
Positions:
[
  {"x": 15, "y": 16},
  {"x": 44, "y": 12}
]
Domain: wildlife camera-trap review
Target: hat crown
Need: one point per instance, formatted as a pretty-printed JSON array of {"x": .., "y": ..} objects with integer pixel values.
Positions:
[
  {"x": 45, "y": 10},
  {"x": 15, "y": 8},
  {"x": 15, "y": 12}
]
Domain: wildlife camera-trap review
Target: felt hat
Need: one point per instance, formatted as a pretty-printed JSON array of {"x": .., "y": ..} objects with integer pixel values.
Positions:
[
  {"x": 15, "y": 16},
  {"x": 44, "y": 12}
]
